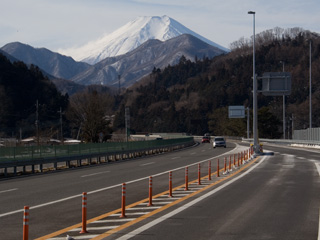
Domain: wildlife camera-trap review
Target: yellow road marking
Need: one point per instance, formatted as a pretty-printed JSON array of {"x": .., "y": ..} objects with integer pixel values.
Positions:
[{"x": 110, "y": 232}]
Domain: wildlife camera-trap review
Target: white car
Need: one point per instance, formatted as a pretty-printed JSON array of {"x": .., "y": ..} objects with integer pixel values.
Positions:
[{"x": 219, "y": 142}]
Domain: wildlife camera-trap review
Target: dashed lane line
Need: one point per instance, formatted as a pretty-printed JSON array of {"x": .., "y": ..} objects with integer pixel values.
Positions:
[
  {"x": 146, "y": 164},
  {"x": 9, "y": 190},
  {"x": 94, "y": 174}
]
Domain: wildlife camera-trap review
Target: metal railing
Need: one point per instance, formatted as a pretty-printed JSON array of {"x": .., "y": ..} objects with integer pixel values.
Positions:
[
  {"x": 53, "y": 152},
  {"x": 285, "y": 141},
  {"x": 310, "y": 134}
]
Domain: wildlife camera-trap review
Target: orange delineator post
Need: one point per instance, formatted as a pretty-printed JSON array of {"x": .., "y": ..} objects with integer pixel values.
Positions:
[
  {"x": 84, "y": 213},
  {"x": 218, "y": 169},
  {"x": 186, "y": 179},
  {"x": 234, "y": 159},
  {"x": 150, "y": 191},
  {"x": 26, "y": 223},
  {"x": 209, "y": 170},
  {"x": 123, "y": 201},
  {"x": 230, "y": 163},
  {"x": 170, "y": 184},
  {"x": 238, "y": 160},
  {"x": 241, "y": 158},
  {"x": 225, "y": 164},
  {"x": 199, "y": 174}
]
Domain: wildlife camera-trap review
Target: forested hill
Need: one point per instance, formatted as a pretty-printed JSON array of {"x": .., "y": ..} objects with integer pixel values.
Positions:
[
  {"x": 20, "y": 89},
  {"x": 193, "y": 97}
]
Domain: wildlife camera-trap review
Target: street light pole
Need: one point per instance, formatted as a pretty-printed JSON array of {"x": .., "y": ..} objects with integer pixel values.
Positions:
[
  {"x": 248, "y": 123},
  {"x": 310, "y": 92},
  {"x": 255, "y": 109},
  {"x": 284, "y": 108}
]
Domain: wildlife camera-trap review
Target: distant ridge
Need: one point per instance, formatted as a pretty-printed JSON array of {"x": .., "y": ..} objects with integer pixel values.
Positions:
[
  {"x": 53, "y": 63},
  {"x": 136, "y": 64},
  {"x": 131, "y": 36}
]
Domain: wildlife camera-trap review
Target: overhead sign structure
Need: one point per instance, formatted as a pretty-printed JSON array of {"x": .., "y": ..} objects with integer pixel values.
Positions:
[
  {"x": 237, "y": 112},
  {"x": 276, "y": 83}
]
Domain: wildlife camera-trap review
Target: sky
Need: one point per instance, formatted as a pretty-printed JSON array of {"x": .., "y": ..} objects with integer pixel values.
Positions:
[{"x": 63, "y": 24}]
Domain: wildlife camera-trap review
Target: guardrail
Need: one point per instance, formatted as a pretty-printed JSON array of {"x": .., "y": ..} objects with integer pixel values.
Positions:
[
  {"x": 13, "y": 157},
  {"x": 286, "y": 141}
]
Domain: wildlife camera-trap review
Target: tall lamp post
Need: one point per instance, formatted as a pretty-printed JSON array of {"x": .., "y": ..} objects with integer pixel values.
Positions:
[
  {"x": 255, "y": 113},
  {"x": 310, "y": 92},
  {"x": 284, "y": 108}
]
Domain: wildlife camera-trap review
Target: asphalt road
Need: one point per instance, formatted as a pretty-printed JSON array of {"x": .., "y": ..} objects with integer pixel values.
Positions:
[
  {"x": 278, "y": 198},
  {"x": 55, "y": 198}
]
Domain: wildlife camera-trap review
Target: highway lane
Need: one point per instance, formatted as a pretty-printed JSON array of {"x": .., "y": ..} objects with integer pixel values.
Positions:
[
  {"x": 63, "y": 190},
  {"x": 279, "y": 199}
]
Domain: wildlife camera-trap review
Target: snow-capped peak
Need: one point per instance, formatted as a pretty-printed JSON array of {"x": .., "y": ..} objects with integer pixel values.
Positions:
[{"x": 131, "y": 36}]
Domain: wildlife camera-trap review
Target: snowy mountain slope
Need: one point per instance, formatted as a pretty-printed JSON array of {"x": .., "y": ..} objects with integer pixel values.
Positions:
[
  {"x": 133, "y": 65},
  {"x": 130, "y": 36}
]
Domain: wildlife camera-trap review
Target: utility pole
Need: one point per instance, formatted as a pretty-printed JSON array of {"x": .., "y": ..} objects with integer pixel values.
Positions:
[
  {"x": 310, "y": 89},
  {"x": 248, "y": 123},
  {"x": 37, "y": 122},
  {"x": 119, "y": 76},
  {"x": 284, "y": 108},
  {"x": 61, "y": 125},
  {"x": 256, "y": 145}
]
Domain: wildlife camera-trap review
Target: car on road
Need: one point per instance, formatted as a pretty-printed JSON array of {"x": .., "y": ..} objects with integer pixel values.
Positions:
[
  {"x": 205, "y": 139},
  {"x": 219, "y": 142}
]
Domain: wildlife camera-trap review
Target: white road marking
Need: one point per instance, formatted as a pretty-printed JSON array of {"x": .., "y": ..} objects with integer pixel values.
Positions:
[
  {"x": 93, "y": 228},
  {"x": 93, "y": 174},
  {"x": 193, "y": 153},
  {"x": 318, "y": 167},
  {"x": 9, "y": 190},
  {"x": 146, "y": 164},
  {"x": 288, "y": 155},
  {"x": 86, "y": 236},
  {"x": 175, "y": 158},
  {"x": 142, "y": 208},
  {"x": 129, "y": 214},
  {"x": 115, "y": 220},
  {"x": 319, "y": 225},
  {"x": 180, "y": 209}
]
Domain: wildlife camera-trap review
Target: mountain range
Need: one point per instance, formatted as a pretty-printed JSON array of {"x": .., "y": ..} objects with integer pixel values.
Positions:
[
  {"x": 134, "y": 65},
  {"x": 149, "y": 42},
  {"x": 131, "y": 36}
]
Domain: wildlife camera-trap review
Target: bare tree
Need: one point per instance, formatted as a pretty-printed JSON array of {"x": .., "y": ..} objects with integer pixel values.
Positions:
[{"x": 88, "y": 113}]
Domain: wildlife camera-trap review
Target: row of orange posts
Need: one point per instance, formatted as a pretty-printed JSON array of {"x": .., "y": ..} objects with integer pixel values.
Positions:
[{"x": 242, "y": 156}]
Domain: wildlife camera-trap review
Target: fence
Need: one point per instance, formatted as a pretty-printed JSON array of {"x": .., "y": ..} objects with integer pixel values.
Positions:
[
  {"x": 43, "y": 152},
  {"x": 310, "y": 134},
  {"x": 13, "y": 157}
]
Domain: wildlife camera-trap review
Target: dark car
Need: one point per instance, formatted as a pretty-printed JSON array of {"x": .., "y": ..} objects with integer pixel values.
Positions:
[
  {"x": 205, "y": 139},
  {"x": 219, "y": 142}
]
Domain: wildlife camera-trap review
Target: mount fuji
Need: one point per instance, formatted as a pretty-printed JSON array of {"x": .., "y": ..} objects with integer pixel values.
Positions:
[{"x": 131, "y": 36}]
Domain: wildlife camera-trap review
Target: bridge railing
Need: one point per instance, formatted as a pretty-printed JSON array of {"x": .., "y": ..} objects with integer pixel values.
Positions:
[{"x": 55, "y": 151}]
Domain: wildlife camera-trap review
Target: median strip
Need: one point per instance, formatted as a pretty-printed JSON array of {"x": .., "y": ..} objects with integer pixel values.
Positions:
[{"x": 139, "y": 211}]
